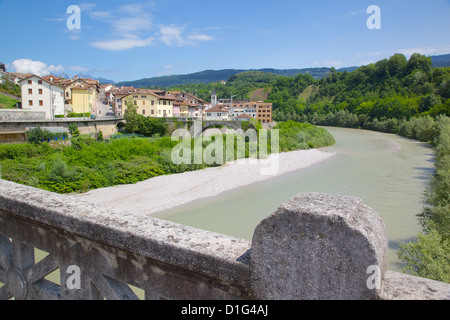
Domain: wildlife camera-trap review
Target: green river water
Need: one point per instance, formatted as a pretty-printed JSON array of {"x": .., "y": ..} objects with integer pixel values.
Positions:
[{"x": 389, "y": 173}]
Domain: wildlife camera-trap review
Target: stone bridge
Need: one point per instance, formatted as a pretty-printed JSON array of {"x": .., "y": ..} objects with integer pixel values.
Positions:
[
  {"x": 196, "y": 130},
  {"x": 314, "y": 246}
]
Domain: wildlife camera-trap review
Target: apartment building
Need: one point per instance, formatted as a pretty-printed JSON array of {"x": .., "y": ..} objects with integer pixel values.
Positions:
[
  {"x": 116, "y": 97},
  {"x": 82, "y": 95},
  {"x": 38, "y": 94},
  {"x": 257, "y": 110},
  {"x": 264, "y": 112},
  {"x": 149, "y": 103}
]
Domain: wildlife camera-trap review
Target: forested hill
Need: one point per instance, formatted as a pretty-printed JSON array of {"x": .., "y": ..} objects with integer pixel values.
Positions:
[
  {"x": 211, "y": 76},
  {"x": 390, "y": 88}
]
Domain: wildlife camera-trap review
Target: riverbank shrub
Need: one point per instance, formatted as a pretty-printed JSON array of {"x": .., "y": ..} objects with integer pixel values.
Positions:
[
  {"x": 295, "y": 136},
  {"x": 428, "y": 256}
]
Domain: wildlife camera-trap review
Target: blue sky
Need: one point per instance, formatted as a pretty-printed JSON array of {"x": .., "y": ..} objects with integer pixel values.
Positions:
[{"x": 130, "y": 40}]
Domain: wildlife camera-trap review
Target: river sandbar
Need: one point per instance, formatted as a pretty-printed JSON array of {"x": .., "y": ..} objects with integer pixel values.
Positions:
[{"x": 169, "y": 191}]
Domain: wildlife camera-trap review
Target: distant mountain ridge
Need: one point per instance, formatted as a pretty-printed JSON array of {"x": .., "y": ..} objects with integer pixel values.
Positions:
[
  {"x": 210, "y": 76},
  {"x": 441, "y": 61}
]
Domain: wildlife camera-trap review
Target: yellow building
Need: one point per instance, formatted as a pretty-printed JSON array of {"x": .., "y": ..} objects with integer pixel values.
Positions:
[
  {"x": 83, "y": 95},
  {"x": 149, "y": 104},
  {"x": 81, "y": 100},
  {"x": 184, "y": 109}
]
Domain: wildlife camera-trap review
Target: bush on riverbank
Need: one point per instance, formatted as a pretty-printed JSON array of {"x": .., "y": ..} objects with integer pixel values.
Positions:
[
  {"x": 428, "y": 256},
  {"x": 295, "y": 136}
]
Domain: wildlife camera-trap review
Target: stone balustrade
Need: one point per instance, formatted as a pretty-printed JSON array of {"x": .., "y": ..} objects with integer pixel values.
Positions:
[{"x": 314, "y": 246}]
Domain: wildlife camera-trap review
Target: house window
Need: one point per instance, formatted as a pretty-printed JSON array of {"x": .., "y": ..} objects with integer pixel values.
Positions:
[
  {"x": 164, "y": 102},
  {"x": 135, "y": 102},
  {"x": 30, "y": 82},
  {"x": 143, "y": 111},
  {"x": 153, "y": 111},
  {"x": 30, "y": 91},
  {"x": 39, "y": 81},
  {"x": 219, "y": 114},
  {"x": 153, "y": 102},
  {"x": 41, "y": 103},
  {"x": 143, "y": 102},
  {"x": 208, "y": 114},
  {"x": 67, "y": 94},
  {"x": 30, "y": 102},
  {"x": 40, "y": 91}
]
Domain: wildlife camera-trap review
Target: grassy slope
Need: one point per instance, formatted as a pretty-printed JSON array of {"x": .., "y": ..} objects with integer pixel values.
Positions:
[{"x": 7, "y": 102}]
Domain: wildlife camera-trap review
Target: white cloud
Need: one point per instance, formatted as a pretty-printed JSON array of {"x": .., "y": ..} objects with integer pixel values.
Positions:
[
  {"x": 426, "y": 50},
  {"x": 174, "y": 36},
  {"x": 122, "y": 44},
  {"x": 35, "y": 67},
  {"x": 200, "y": 37},
  {"x": 171, "y": 35},
  {"x": 131, "y": 24},
  {"x": 127, "y": 19},
  {"x": 127, "y": 22}
]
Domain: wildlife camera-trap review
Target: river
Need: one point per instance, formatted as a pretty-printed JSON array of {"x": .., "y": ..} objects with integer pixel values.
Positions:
[{"x": 388, "y": 172}]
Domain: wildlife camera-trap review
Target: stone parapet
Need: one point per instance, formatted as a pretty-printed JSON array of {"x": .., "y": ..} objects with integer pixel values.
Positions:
[{"x": 314, "y": 246}]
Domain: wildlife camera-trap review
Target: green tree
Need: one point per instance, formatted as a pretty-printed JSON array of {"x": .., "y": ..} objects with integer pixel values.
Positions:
[
  {"x": 397, "y": 64},
  {"x": 73, "y": 129},
  {"x": 131, "y": 117},
  {"x": 427, "y": 257},
  {"x": 419, "y": 62},
  {"x": 153, "y": 126}
]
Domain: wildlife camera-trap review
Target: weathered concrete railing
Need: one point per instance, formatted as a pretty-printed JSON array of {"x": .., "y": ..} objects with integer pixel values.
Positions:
[{"x": 313, "y": 247}]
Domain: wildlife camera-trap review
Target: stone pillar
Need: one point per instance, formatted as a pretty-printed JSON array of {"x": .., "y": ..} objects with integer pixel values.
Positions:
[{"x": 319, "y": 246}]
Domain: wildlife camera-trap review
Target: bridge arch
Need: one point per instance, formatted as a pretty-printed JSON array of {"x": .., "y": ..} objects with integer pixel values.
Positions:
[
  {"x": 235, "y": 125},
  {"x": 120, "y": 125}
]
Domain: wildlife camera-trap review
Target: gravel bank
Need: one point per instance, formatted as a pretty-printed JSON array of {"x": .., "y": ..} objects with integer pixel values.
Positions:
[{"x": 165, "y": 192}]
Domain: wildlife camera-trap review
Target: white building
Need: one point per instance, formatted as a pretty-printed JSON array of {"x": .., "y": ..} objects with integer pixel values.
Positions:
[
  {"x": 41, "y": 95},
  {"x": 217, "y": 114},
  {"x": 195, "y": 111}
]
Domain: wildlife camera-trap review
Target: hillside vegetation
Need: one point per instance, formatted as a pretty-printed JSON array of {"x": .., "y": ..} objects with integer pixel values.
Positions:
[
  {"x": 391, "y": 88},
  {"x": 7, "y": 102},
  {"x": 214, "y": 76}
]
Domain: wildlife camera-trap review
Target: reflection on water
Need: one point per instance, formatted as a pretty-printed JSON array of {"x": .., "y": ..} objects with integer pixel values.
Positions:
[{"x": 389, "y": 173}]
